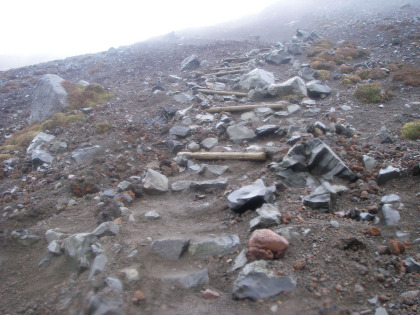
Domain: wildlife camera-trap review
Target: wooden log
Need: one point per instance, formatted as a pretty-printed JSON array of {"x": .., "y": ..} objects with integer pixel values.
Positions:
[
  {"x": 242, "y": 156},
  {"x": 220, "y": 74},
  {"x": 233, "y": 59},
  {"x": 245, "y": 108},
  {"x": 225, "y": 68},
  {"x": 210, "y": 92}
]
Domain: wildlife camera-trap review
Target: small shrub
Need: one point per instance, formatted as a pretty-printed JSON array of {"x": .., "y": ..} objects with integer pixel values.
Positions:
[
  {"x": 346, "y": 69},
  {"x": 374, "y": 74},
  {"x": 85, "y": 96},
  {"x": 411, "y": 131},
  {"x": 323, "y": 43},
  {"x": 322, "y": 65},
  {"x": 4, "y": 157},
  {"x": 409, "y": 74},
  {"x": 8, "y": 148},
  {"x": 102, "y": 127},
  {"x": 21, "y": 139},
  {"x": 323, "y": 75},
  {"x": 348, "y": 44},
  {"x": 61, "y": 120},
  {"x": 10, "y": 86},
  {"x": 369, "y": 93},
  {"x": 350, "y": 79}
]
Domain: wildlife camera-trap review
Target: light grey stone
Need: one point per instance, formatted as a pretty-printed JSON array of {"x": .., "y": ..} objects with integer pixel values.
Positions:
[
  {"x": 217, "y": 169},
  {"x": 213, "y": 246},
  {"x": 114, "y": 284},
  {"x": 387, "y": 174},
  {"x": 78, "y": 251},
  {"x": 240, "y": 261},
  {"x": 381, "y": 311},
  {"x": 55, "y": 248},
  {"x": 123, "y": 186},
  {"x": 52, "y": 235},
  {"x": 181, "y": 185},
  {"x": 190, "y": 280},
  {"x": 256, "y": 281},
  {"x": 320, "y": 198},
  {"x": 24, "y": 237},
  {"x": 190, "y": 63},
  {"x": 171, "y": 248},
  {"x": 193, "y": 147},
  {"x": 40, "y": 139},
  {"x": 293, "y": 108},
  {"x": 257, "y": 78},
  {"x": 180, "y": 131},
  {"x": 209, "y": 143},
  {"x": 288, "y": 233},
  {"x": 278, "y": 56},
  {"x": 263, "y": 111},
  {"x": 40, "y": 157},
  {"x": 392, "y": 198},
  {"x": 294, "y": 86},
  {"x": 153, "y": 215},
  {"x": 402, "y": 236},
  {"x": 268, "y": 215},
  {"x": 183, "y": 98},
  {"x": 107, "y": 229},
  {"x": 369, "y": 162},
  {"x": 98, "y": 265},
  {"x": 239, "y": 133},
  {"x": 316, "y": 89},
  {"x": 391, "y": 216},
  {"x": 82, "y": 155},
  {"x": 155, "y": 183}
]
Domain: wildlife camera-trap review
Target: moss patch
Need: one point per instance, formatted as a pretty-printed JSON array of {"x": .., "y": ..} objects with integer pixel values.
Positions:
[
  {"x": 61, "y": 120},
  {"x": 323, "y": 75},
  {"x": 346, "y": 69},
  {"x": 369, "y": 93},
  {"x": 85, "y": 96},
  {"x": 408, "y": 74},
  {"x": 411, "y": 131},
  {"x": 374, "y": 74},
  {"x": 350, "y": 79},
  {"x": 102, "y": 127}
]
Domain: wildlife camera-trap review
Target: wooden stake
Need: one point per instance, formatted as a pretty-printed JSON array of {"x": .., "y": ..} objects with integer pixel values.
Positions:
[
  {"x": 220, "y": 74},
  {"x": 229, "y": 93},
  {"x": 245, "y": 108},
  {"x": 242, "y": 156}
]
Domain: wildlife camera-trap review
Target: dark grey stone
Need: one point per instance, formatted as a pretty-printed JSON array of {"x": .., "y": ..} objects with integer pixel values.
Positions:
[
  {"x": 294, "y": 49},
  {"x": 256, "y": 281},
  {"x": 190, "y": 63},
  {"x": 385, "y": 135},
  {"x": 411, "y": 265},
  {"x": 268, "y": 215},
  {"x": 82, "y": 155},
  {"x": 266, "y": 130},
  {"x": 78, "y": 251},
  {"x": 216, "y": 184},
  {"x": 190, "y": 280},
  {"x": 320, "y": 198},
  {"x": 277, "y": 57},
  {"x": 307, "y": 73},
  {"x": 180, "y": 131},
  {"x": 171, "y": 248},
  {"x": 316, "y": 89},
  {"x": 387, "y": 174}
]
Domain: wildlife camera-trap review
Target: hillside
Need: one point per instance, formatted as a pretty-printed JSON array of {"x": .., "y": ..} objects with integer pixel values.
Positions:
[{"x": 108, "y": 210}]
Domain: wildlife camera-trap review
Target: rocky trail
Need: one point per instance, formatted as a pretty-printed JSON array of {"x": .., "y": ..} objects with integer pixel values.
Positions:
[{"x": 194, "y": 176}]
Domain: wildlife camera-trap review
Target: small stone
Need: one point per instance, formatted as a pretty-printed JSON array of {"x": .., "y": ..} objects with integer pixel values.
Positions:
[
  {"x": 209, "y": 143},
  {"x": 210, "y": 294},
  {"x": 131, "y": 275},
  {"x": 411, "y": 265},
  {"x": 396, "y": 247},
  {"x": 114, "y": 284},
  {"x": 152, "y": 215},
  {"x": 190, "y": 280},
  {"x": 98, "y": 265},
  {"x": 374, "y": 231},
  {"x": 299, "y": 265},
  {"x": 55, "y": 248},
  {"x": 137, "y": 297},
  {"x": 334, "y": 224},
  {"x": 107, "y": 229},
  {"x": 265, "y": 244}
]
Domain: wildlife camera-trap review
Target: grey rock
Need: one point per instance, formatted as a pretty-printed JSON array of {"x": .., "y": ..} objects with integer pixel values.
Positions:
[
  {"x": 193, "y": 147},
  {"x": 114, "y": 284},
  {"x": 52, "y": 235},
  {"x": 256, "y": 193},
  {"x": 98, "y": 265},
  {"x": 209, "y": 143},
  {"x": 123, "y": 186},
  {"x": 288, "y": 233},
  {"x": 266, "y": 130},
  {"x": 39, "y": 140},
  {"x": 216, "y": 184},
  {"x": 205, "y": 118},
  {"x": 217, "y": 169},
  {"x": 155, "y": 183},
  {"x": 190, "y": 280},
  {"x": 268, "y": 215},
  {"x": 410, "y": 297},
  {"x": 294, "y": 86},
  {"x": 385, "y": 135},
  {"x": 239, "y": 133},
  {"x": 256, "y": 95},
  {"x": 249, "y": 116},
  {"x": 171, "y": 248},
  {"x": 85, "y": 154},
  {"x": 369, "y": 162},
  {"x": 294, "y": 49},
  {"x": 263, "y": 111},
  {"x": 181, "y": 185},
  {"x": 213, "y": 246},
  {"x": 102, "y": 305},
  {"x": 307, "y": 73},
  {"x": 312, "y": 112},
  {"x": 257, "y": 78},
  {"x": 411, "y": 265},
  {"x": 152, "y": 215},
  {"x": 47, "y": 98},
  {"x": 107, "y": 229},
  {"x": 55, "y": 248},
  {"x": 240, "y": 261},
  {"x": 46, "y": 260},
  {"x": 180, "y": 131},
  {"x": 402, "y": 236},
  {"x": 183, "y": 98},
  {"x": 293, "y": 108},
  {"x": 278, "y": 57},
  {"x": 78, "y": 251},
  {"x": 320, "y": 198},
  {"x": 387, "y": 174},
  {"x": 317, "y": 90},
  {"x": 40, "y": 157},
  {"x": 174, "y": 78},
  {"x": 391, "y": 216},
  {"x": 256, "y": 281},
  {"x": 190, "y": 63},
  {"x": 24, "y": 237},
  {"x": 381, "y": 311},
  {"x": 392, "y": 198}
]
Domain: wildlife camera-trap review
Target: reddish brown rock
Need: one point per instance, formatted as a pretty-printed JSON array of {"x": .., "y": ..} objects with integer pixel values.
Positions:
[
  {"x": 265, "y": 245},
  {"x": 396, "y": 248},
  {"x": 138, "y": 296},
  {"x": 374, "y": 231},
  {"x": 210, "y": 294}
]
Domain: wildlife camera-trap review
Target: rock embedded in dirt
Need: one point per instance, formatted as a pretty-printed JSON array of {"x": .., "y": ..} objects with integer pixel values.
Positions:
[
  {"x": 52, "y": 235},
  {"x": 24, "y": 237},
  {"x": 39, "y": 141},
  {"x": 170, "y": 248},
  {"x": 278, "y": 57},
  {"x": 180, "y": 131},
  {"x": 39, "y": 157},
  {"x": 155, "y": 183},
  {"x": 190, "y": 63},
  {"x": 190, "y": 280},
  {"x": 210, "y": 185},
  {"x": 85, "y": 154},
  {"x": 47, "y": 98},
  {"x": 98, "y": 265},
  {"x": 213, "y": 246},
  {"x": 55, "y": 248},
  {"x": 152, "y": 215},
  {"x": 387, "y": 174},
  {"x": 266, "y": 130},
  {"x": 240, "y": 133},
  {"x": 107, "y": 229},
  {"x": 321, "y": 198},
  {"x": 410, "y": 297},
  {"x": 78, "y": 251},
  {"x": 392, "y": 199},
  {"x": 257, "y": 78},
  {"x": 315, "y": 89},
  {"x": 240, "y": 261},
  {"x": 114, "y": 284},
  {"x": 268, "y": 215},
  {"x": 210, "y": 294},
  {"x": 209, "y": 143},
  {"x": 411, "y": 265},
  {"x": 256, "y": 281},
  {"x": 391, "y": 216},
  {"x": 266, "y": 245},
  {"x": 369, "y": 162},
  {"x": 294, "y": 86}
]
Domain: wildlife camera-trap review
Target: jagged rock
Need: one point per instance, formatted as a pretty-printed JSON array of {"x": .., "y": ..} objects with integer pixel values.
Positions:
[
  {"x": 263, "y": 111},
  {"x": 181, "y": 185},
  {"x": 391, "y": 216},
  {"x": 256, "y": 95},
  {"x": 190, "y": 63},
  {"x": 217, "y": 169},
  {"x": 318, "y": 159},
  {"x": 52, "y": 235},
  {"x": 293, "y": 108},
  {"x": 250, "y": 197},
  {"x": 403, "y": 237},
  {"x": 190, "y": 280},
  {"x": 410, "y": 297},
  {"x": 277, "y": 57},
  {"x": 78, "y": 251},
  {"x": 171, "y": 248},
  {"x": 98, "y": 265},
  {"x": 316, "y": 89},
  {"x": 40, "y": 139},
  {"x": 239, "y": 133},
  {"x": 107, "y": 229},
  {"x": 266, "y": 130},
  {"x": 130, "y": 275},
  {"x": 320, "y": 198},
  {"x": 124, "y": 186},
  {"x": 48, "y": 98},
  {"x": 257, "y": 78},
  {"x": 268, "y": 215},
  {"x": 294, "y": 86},
  {"x": 180, "y": 131},
  {"x": 264, "y": 244},
  {"x": 213, "y": 246},
  {"x": 216, "y": 184},
  {"x": 24, "y": 237},
  {"x": 240, "y": 261},
  {"x": 183, "y": 98},
  {"x": 288, "y": 233},
  {"x": 55, "y": 248},
  {"x": 101, "y": 305},
  {"x": 294, "y": 49},
  {"x": 256, "y": 281},
  {"x": 209, "y": 143},
  {"x": 193, "y": 147},
  {"x": 82, "y": 155},
  {"x": 411, "y": 265},
  {"x": 369, "y": 162},
  {"x": 385, "y": 135},
  {"x": 155, "y": 183},
  {"x": 152, "y": 215},
  {"x": 392, "y": 198},
  {"x": 40, "y": 157},
  {"x": 387, "y": 174},
  {"x": 114, "y": 284},
  {"x": 307, "y": 73}
]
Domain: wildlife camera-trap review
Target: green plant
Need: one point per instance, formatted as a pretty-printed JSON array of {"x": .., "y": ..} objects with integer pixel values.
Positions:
[
  {"x": 322, "y": 65},
  {"x": 323, "y": 75},
  {"x": 374, "y": 74},
  {"x": 85, "y": 96},
  {"x": 369, "y": 93},
  {"x": 102, "y": 127},
  {"x": 411, "y": 131},
  {"x": 61, "y": 120},
  {"x": 346, "y": 69},
  {"x": 349, "y": 79}
]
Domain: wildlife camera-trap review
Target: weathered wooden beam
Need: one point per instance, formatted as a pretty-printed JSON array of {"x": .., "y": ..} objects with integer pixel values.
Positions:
[
  {"x": 242, "y": 156},
  {"x": 245, "y": 108},
  {"x": 220, "y": 74},
  {"x": 211, "y": 92},
  {"x": 225, "y": 68},
  {"x": 233, "y": 59}
]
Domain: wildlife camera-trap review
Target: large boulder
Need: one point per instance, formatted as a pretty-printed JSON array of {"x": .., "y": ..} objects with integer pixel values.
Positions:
[
  {"x": 190, "y": 63},
  {"x": 48, "y": 98},
  {"x": 294, "y": 86},
  {"x": 316, "y": 89},
  {"x": 78, "y": 250},
  {"x": 154, "y": 182},
  {"x": 39, "y": 140},
  {"x": 257, "y": 78}
]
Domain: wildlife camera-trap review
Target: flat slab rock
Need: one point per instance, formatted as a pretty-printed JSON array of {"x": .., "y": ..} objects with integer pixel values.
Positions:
[
  {"x": 170, "y": 248},
  {"x": 213, "y": 246},
  {"x": 189, "y": 280},
  {"x": 256, "y": 281}
]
